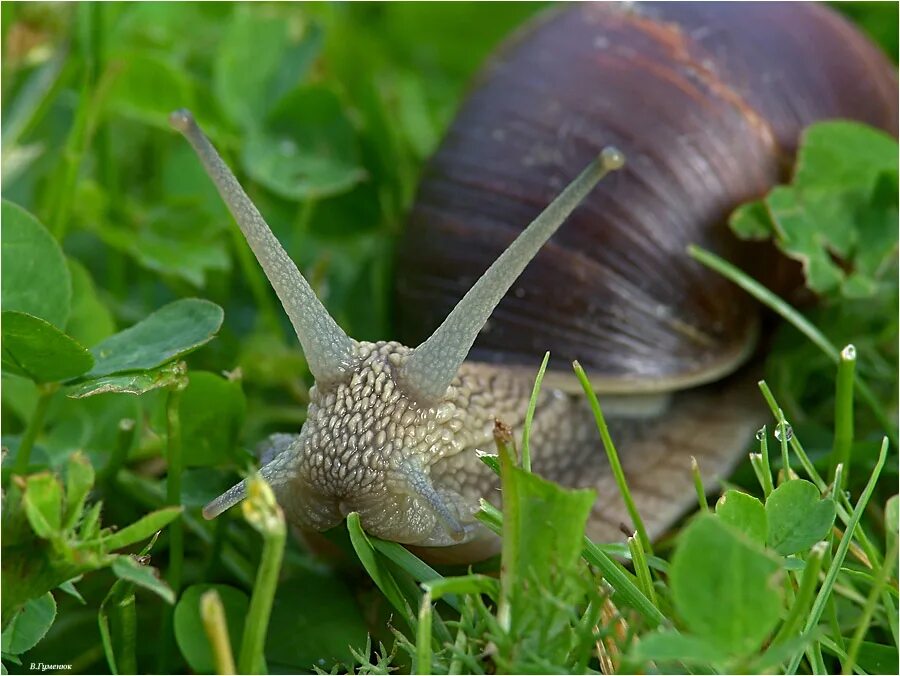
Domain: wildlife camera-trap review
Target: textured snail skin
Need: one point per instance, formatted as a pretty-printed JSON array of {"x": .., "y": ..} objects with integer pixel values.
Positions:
[{"x": 369, "y": 448}]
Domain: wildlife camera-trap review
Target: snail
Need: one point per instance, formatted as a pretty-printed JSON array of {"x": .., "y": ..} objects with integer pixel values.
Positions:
[{"x": 707, "y": 102}]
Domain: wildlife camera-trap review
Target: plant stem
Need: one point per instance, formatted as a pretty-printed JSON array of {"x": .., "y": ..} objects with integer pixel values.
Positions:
[
  {"x": 423, "y": 636},
  {"x": 509, "y": 554},
  {"x": 804, "y": 597},
  {"x": 613, "y": 457},
  {"x": 33, "y": 428},
  {"x": 213, "y": 614},
  {"x": 768, "y": 486},
  {"x": 529, "y": 415},
  {"x": 843, "y": 415},
  {"x": 173, "y": 484},
  {"x": 176, "y": 528},
  {"x": 862, "y": 623},
  {"x": 698, "y": 486},
  {"x": 264, "y": 514},
  {"x": 125, "y": 436}
]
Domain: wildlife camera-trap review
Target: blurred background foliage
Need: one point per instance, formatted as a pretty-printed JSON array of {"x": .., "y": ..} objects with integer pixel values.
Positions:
[{"x": 326, "y": 111}]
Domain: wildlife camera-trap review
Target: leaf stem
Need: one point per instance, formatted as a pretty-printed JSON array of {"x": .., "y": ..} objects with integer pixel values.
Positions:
[{"x": 33, "y": 428}]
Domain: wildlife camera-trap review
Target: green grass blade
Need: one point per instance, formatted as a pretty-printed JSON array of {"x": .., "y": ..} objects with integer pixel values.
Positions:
[
  {"x": 698, "y": 485},
  {"x": 763, "y": 295},
  {"x": 833, "y": 570},
  {"x": 862, "y": 623},
  {"x": 380, "y": 575},
  {"x": 613, "y": 457},
  {"x": 419, "y": 570},
  {"x": 529, "y": 415}
]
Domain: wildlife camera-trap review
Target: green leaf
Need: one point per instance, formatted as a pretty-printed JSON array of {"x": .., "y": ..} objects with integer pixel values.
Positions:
[
  {"x": 212, "y": 413},
  {"x": 148, "y": 87},
  {"x": 744, "y": 512},
  {"x": 90, "y": 320},
  {"x": 79, "y": 481},
  {"x": 797, "y": 516},
  {"x": 838, "y": 216},
  {"x": 142, "y": 529},
  {"x": 670, "y": 646},
  {"x": 29, "y": 625},
  {"x": 69, "y": 588},
  {"x": 117, "y": 621},
  {"x": 169, "y": 333},
  {"x": 752, "y": 221},
  {"x": 182, "y": 242},
  {"x": 189, "y": 631},
  {"x": 128, "y": 383},
  {"x": 35, "y": 279},
  {"x": 875, "y": 658},
  {"x": 725, "y": 588},
  {"x": 300, "y": 640},
  {"x": 551, "y": 523},
  {"x": 43, "y": 504},
  {"x": 127, "y": 568},
  {"x": 34, "y": 348},
  {"x": 307, "y": 149},
  {"x": 248, "y": 55}
]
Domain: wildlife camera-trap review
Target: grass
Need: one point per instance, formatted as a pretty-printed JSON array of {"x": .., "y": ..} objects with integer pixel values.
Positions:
[{"x": 87, "y": 150}]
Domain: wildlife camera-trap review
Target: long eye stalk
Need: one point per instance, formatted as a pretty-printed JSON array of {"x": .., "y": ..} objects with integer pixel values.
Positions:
[
  {"x": 428, "y": 371},
  {"x": 328, "y": 349}
]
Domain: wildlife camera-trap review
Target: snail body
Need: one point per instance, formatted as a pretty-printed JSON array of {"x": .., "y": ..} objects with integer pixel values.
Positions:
[{"x": 392, "y": 431}]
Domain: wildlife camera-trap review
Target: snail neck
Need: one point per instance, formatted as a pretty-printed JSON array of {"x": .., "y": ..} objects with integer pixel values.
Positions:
[{"x": 614, "y": 404}]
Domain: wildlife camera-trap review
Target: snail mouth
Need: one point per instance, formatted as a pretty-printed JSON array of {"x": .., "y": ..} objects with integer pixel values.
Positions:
[{"x": 414, "y": 515}]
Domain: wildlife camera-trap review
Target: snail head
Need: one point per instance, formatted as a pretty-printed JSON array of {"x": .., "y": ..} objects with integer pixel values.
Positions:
[{"x": 381, "y": 415}]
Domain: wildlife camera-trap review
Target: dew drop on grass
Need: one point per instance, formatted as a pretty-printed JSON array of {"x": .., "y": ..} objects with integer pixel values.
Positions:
[
  {"x": 761, "y": 433},
  {"x": 788, "y": 432},
  {"x": 848, "y": 353}
]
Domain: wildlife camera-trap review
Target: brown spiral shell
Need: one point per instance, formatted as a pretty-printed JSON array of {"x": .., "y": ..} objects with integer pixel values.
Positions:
[{"x": 706, "y": 100}]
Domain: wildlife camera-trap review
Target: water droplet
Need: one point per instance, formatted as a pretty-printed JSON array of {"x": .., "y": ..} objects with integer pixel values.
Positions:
[
  {"x": 788, "y": 432},
  {"x": 761, "y": 433},
  {"x": 848, "y": 353}
]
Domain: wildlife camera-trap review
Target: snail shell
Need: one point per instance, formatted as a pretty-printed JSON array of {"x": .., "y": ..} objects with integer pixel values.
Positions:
[{"x": 707, "y": 101}]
